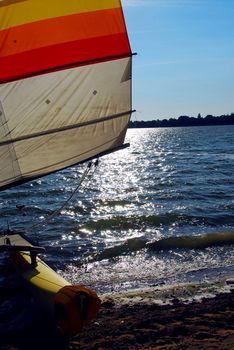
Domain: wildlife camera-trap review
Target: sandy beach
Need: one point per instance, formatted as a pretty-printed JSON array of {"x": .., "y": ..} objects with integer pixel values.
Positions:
[
  {"x": 200, "y": 325},
  {"x": 140, "y": 323}
]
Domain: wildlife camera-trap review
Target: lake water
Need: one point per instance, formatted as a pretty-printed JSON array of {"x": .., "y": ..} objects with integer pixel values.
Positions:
[{"x": 172, "y": 183}]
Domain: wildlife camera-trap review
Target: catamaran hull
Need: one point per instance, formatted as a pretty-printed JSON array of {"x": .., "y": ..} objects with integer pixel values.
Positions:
[{"x": 69, "y": 307}]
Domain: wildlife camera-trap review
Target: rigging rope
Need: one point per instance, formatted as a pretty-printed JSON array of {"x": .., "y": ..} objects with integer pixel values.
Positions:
[{"x": 57, "y": 211}]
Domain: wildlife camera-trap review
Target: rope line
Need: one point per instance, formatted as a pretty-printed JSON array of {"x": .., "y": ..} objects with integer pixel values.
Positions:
[{"x": 58, "y": 211}]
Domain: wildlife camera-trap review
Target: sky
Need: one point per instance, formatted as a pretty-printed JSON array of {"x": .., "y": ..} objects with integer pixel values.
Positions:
[{"x": 185, "y": 57}]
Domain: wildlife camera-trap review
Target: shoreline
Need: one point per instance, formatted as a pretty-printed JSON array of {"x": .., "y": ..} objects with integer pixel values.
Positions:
[
  {"x": 206, "y": 324},
  {"x": 136, "y": 320}
]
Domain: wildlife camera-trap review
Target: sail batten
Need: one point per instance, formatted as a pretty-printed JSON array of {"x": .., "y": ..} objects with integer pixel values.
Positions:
[
  {"x": 65, "y": 85},
  {"x": 68, "y": 127}
]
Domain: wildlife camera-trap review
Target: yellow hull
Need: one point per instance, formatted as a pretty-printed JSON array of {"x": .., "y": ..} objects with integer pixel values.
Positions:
[
  {"x": 43, "y": 282},
  {"x": 70, "y": 307}
]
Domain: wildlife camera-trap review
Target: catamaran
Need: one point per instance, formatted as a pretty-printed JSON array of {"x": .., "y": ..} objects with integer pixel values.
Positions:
[{"x": 65, "y": 98}]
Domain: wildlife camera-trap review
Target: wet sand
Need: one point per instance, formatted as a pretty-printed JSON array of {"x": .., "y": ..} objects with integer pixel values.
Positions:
[
  {"x": 200, "y": 325},
  {"x": 143, "y": 324}
]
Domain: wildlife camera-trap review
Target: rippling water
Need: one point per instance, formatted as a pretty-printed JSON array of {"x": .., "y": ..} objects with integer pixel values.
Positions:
[{"x": 159, "y": 212}]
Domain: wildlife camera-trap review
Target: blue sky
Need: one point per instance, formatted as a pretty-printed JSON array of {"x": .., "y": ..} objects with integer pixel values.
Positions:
[{"x": 185, "y": 61}]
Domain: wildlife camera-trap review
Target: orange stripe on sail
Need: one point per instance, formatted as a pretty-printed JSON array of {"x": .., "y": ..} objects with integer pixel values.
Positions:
[
  {"x": 19, "y": 12},
  {"x": 61, "y": 30}
]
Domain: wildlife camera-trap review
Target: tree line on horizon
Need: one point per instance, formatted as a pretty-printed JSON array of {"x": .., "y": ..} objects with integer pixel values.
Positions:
[{"x": 184, "y": 120}]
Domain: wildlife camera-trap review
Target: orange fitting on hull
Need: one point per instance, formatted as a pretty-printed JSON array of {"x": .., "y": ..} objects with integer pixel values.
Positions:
[{"x": 75, "y": 307}]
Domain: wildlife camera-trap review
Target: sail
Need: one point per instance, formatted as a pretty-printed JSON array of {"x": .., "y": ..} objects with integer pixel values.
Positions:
[{"x": 65, "y": 84}]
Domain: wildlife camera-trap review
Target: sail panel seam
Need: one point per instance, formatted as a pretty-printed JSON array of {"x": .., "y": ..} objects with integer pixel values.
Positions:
[
  {"x": 66, "y": 66},
  {"x": 11, "y": 150}
]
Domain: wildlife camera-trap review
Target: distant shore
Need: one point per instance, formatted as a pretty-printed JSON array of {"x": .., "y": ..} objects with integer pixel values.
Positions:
[{"x": 209, "y": 120}]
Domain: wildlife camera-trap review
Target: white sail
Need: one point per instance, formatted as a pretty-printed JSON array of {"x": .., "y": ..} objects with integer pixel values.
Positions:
[{"x": 55, "y": 116}]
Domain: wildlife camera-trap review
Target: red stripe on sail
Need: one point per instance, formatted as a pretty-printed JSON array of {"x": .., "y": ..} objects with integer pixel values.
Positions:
[{"x": 64, "y": 55}]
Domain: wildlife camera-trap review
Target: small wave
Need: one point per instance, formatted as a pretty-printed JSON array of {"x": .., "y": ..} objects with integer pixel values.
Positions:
[
  {"x": 114, "y": 203},
  {"x": 181, "y": 242},
  {"x": 193, "y": 242},
  {"x": 120, "y": 223},
  {"x": 131, "y": 245},
  {"x": 136, "y": 222}
]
